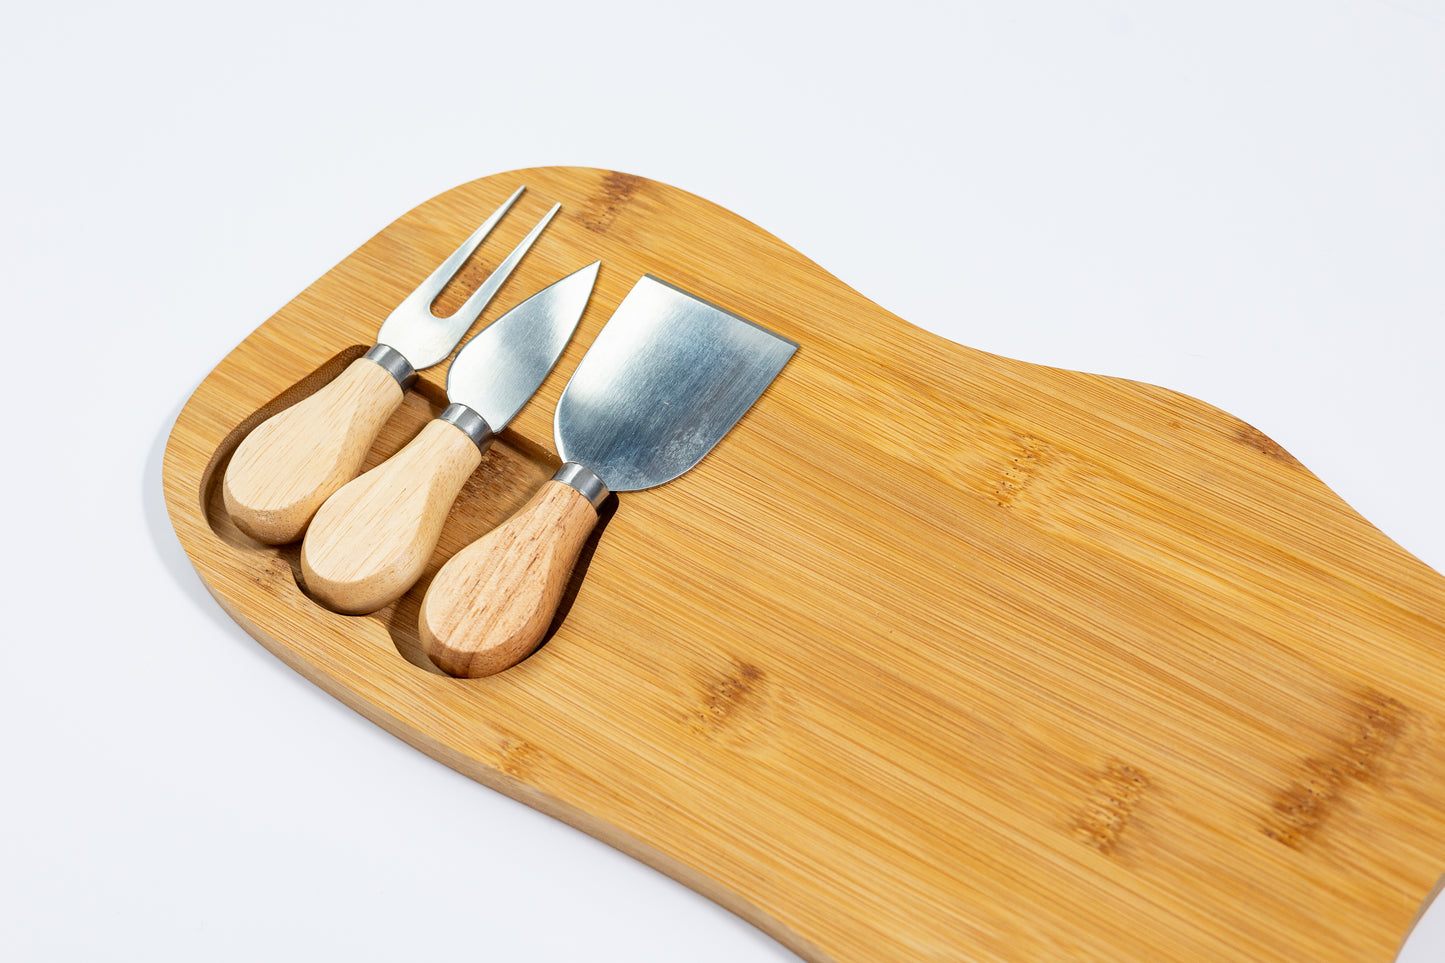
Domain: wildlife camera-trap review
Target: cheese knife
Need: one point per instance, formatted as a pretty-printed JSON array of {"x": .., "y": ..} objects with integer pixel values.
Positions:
[{"x": 668, "y": 376}]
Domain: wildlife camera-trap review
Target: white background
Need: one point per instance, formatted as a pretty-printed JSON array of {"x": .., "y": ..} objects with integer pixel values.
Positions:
[{"x": 1244, "y": 201}]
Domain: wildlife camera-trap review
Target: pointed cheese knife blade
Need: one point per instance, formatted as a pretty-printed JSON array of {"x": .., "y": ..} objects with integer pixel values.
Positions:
[
  {"x": 289, "y": 464},
  {"x": 666, "y": 379},
  {"x": 372, "y": 539}
]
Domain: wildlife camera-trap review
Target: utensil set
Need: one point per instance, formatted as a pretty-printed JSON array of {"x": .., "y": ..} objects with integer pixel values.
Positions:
[{"x": 667, "y": 377}]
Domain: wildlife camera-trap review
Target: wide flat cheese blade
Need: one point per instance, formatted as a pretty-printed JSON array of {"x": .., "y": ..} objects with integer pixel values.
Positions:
[{"x": 667, "y": 377}]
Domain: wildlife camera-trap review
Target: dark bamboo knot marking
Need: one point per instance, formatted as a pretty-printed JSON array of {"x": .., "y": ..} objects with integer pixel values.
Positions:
[
  {"x": 1254, "y": 438},
  {"x": 462, "y": 285},
  {"x": 724, "y": 698},
  {"x": 1301, "y": 809},
  {"x": 517, "y": 757},
  {"x": 1022, "y": 471},
  {"x": 272, "y": 575},
  {"x": 602, "y": 210},
  {"x": 1110, "y": 809}
]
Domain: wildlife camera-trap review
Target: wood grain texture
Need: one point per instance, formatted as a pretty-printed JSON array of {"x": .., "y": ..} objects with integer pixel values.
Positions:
[
  {"x": 371, "y": 540},
  {"x": 291, "y": 463},
  {"x": 491, "y": 603},
  {"x": 938, "y": 655}
]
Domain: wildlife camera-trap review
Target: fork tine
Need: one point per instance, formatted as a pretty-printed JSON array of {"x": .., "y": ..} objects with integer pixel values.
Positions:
[
  {"x": 432, "y": 286},
  {"x": 483, "y": 294},
  {"x": 424, "y": 339}
]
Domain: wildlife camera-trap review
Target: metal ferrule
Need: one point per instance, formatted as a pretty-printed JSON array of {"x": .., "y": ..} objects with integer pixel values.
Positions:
[
  {"x": 473, "y": 425},
  {"x": 395, "y": 364},
  {"x": 584, "y": 480}
]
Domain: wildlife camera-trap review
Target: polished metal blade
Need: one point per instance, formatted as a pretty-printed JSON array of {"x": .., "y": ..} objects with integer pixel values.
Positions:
[
  {"x": 503, "y": 365},
  {"x": 425, "y": 339},
  {"x": 667, "y": 377}
]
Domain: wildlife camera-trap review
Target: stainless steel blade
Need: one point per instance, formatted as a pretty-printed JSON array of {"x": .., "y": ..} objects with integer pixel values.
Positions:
[
  {"x": 667, "y": 377},
  {"x": 425, "y": 339},
  {"x": 503, "y": 365}
]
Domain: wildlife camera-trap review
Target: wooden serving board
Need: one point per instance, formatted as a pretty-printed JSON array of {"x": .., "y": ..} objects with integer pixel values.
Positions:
[{"x": 937, "y": 656}]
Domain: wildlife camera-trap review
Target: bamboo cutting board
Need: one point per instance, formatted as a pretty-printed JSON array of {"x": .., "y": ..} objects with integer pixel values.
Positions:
[{"x": 937, "y": 656}]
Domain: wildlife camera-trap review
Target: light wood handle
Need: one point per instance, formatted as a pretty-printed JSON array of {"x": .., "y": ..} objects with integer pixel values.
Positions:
[
  {"x": 293, "y": 461},
  {"x": 490, "y": 605},
  {"x": 371, "y": 540}
]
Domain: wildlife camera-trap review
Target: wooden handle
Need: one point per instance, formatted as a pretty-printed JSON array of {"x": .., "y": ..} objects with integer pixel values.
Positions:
[
  {"x": 293, "y": 461},
  {"x": 490, "y": 605},
  {"x": 371, "y": 540}
]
